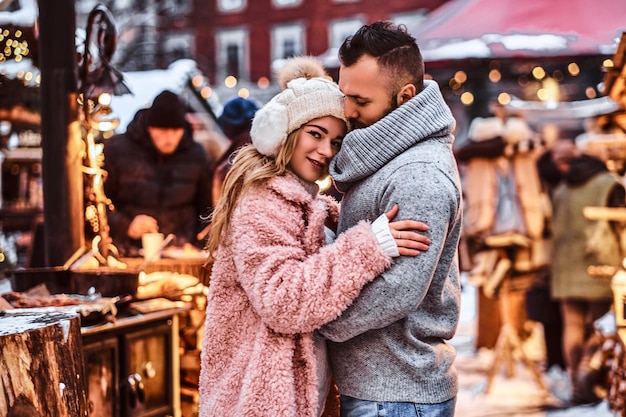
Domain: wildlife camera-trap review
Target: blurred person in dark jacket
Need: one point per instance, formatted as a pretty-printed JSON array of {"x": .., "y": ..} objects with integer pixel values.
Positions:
[{"x": 158, "y": 177}]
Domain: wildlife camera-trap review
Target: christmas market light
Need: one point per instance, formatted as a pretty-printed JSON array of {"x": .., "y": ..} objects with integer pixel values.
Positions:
[
  {"x": 539, "y": 73},
  {"x": 467, "y": 98},
  {"x": 206, "y": 92},
  {"x": 263, "y": 82},
  {"x": 573, "y": 69},
  {"x": 243, "y": 93},
  {"x": 230, "y": 81}
]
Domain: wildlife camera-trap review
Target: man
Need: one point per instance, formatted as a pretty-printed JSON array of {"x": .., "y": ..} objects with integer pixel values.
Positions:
[
  {"x": 388, "y": 350},
  {"x": 159, "y": 178}
]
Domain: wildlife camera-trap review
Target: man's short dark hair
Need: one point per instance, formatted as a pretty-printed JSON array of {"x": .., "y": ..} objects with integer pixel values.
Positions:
[{"x": 393, "y": 47}]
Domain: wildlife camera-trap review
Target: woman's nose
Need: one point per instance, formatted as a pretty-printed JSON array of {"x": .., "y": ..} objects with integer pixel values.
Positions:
[{"x": 325, "y": 148}]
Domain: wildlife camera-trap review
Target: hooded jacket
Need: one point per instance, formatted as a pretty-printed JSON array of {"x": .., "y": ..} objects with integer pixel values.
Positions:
[
  {"x": 390, "y": 344},
  {"x": 174, "y": 189},
  {"x": 273, "y": 283}
]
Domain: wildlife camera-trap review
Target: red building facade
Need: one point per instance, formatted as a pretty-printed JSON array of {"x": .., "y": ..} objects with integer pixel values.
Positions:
[{"x": 247, "y": 38}]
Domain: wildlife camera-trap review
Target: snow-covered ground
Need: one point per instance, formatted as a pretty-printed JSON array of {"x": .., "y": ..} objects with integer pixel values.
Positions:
[{"x": 508, "y": 397}]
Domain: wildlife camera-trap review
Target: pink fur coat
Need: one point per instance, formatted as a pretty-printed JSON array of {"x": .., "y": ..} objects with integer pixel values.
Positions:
[{"x": 273, "y": 283}]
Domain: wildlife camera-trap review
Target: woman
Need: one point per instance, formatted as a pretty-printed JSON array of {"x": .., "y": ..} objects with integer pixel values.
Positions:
[{"x": 273, "y": 280}]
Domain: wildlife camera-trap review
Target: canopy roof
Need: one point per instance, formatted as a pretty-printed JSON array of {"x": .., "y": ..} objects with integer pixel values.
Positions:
[{"x": 462, "y": 29}]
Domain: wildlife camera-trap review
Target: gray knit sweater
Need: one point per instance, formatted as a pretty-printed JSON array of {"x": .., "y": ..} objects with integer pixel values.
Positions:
[{"x": 390, "y": 345}]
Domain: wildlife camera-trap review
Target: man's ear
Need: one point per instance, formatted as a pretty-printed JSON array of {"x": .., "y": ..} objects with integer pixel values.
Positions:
[{"x": 406, "y": 93}]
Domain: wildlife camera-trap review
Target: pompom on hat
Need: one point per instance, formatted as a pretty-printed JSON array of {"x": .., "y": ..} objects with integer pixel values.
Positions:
[{"x": 307, "y": 95}]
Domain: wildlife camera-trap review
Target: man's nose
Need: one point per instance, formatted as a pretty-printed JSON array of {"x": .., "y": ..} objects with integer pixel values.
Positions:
[{"x": 351, "y": 110}]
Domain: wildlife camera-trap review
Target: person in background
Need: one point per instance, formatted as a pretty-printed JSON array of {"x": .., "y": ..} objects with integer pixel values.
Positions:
[
  {"x": 579, "y": 245},
  {"x": 388, "y": 350},
  {"x": 158, "y": 177},
  {"x": 235, "y": 121},
  {"x": 274, "y": 281},
  {"x": 552, "y": 166}
]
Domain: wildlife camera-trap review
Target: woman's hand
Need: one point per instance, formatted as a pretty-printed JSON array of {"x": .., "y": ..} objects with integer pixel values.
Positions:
[{"x": 404, "y": 232}]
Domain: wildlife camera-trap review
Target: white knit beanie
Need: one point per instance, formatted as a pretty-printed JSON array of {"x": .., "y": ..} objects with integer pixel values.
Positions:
[{"x": 307, "y": 94}]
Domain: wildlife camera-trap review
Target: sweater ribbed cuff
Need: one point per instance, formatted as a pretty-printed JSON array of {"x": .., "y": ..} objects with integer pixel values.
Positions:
[{"x": 380, "y": 228}]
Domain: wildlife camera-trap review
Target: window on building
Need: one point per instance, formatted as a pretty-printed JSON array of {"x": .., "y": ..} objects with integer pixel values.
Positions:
[
  {"x": 409, "y": 19},
  {"x": 287, "y": 41},
  {"x": 341, "y": 29},
  {"x": 232, "y": 60},
  {"x": 232, "y": 53},
  {"x": 177, "y": 7},
  {"x": 231, "y": 6},
  {"x": 176, "y": 46},
  {"x": 289, "y": 48},
  {"x": 286, "y": 3}
]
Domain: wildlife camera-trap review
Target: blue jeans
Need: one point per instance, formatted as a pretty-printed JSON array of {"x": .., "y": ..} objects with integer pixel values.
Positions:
[{"x": 353, "y": 407}]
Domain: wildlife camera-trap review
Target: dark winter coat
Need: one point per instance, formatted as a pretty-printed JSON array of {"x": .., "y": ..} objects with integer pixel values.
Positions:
[{"x": 174, "y": 189}]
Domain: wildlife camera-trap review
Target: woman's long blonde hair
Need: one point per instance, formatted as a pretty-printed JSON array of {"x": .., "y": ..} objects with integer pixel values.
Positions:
[{"x": 249, "y": 168}]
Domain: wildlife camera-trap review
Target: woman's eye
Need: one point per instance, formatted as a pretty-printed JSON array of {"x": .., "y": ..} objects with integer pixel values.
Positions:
[
  {"x": 315, "y": 134},
  {"x": 336, "y": 144}
]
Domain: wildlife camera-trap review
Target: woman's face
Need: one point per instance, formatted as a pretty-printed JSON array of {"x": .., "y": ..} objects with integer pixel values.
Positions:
[{"x": 319, "y": 140}]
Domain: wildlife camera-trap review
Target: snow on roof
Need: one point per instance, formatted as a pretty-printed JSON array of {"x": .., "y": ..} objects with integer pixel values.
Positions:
[
  {"x": 25, "y": 16},
  {"x": 146, "y": 85}
]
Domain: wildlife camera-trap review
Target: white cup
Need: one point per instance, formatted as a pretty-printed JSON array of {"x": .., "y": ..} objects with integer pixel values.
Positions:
[{"x": 151, "y": 243}]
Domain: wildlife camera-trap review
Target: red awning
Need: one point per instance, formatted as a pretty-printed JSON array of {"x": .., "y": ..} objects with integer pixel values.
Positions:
[{"x": 462, "y": 29}]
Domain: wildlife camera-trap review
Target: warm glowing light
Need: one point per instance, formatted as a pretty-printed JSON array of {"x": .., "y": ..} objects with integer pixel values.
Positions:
[
  {"x": 230, "y": 81},
  {"x": 542, "y": 94},
  {"x": 550, "y": 90},
  {"x": 263, "y": 82},
  {"x": 539, "y": 73},
  {"x": 504, "y": 98},
  {"x": 105, "y": 99},
  {"x": 324, "y": 183},
  {"x": 590, "y": 92},
  {"x": 460, "y": 77},
  {"x": 197, "y": 81},
  {"x": 18, "y": 33},
  {"x": 573, "y": 69},
  {"x": 206, "y": 92},
  {"x": 467, "y": 98},
  {"x": 495, "y": 76},
  {"x": 608, "y": 63},
  {"x": 243, "y": 93}
]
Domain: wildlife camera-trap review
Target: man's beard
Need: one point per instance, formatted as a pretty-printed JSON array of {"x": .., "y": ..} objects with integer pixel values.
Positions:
[{"x": 393, "y": 104}]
